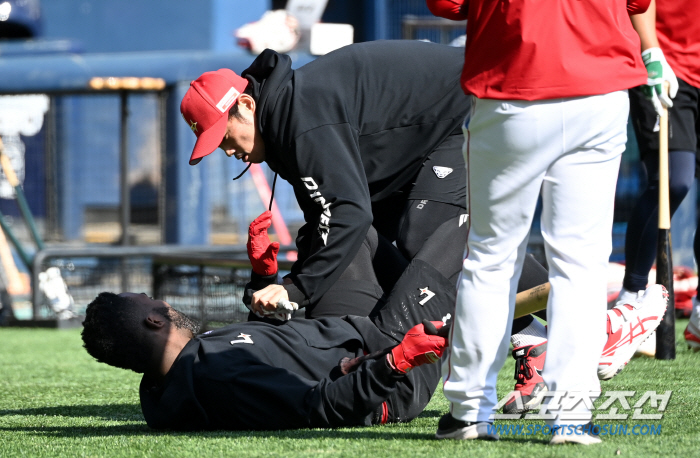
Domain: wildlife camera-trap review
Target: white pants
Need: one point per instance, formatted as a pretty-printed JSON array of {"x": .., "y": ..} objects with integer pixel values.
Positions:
[{"x": 569, "y": 149}]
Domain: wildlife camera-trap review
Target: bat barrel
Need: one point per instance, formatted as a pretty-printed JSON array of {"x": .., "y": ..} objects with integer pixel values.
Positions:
[{"x": 666, "y": 332}]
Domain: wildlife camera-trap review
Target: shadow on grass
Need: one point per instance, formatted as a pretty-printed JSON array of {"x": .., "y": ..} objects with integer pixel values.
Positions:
[
  {"x": 132, "y": 412},
  {"x": 142, "y": 430},
  {"x": 432, "y": 413},
  {"x": 116, "y": 412}
]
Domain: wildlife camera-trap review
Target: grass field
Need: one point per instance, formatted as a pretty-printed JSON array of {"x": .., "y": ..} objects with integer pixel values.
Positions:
[{"x": 56, "y": 401}]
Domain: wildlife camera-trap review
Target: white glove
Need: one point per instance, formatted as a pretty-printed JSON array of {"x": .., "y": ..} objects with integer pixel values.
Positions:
[
  {"x": 52, "y": 285},
  {"x": 282, "y": 312},
  {"x": 658, "y": 71}
]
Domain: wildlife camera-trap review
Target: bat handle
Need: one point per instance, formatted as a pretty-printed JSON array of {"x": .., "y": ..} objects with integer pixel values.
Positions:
[{"x": 348, "y": 365}]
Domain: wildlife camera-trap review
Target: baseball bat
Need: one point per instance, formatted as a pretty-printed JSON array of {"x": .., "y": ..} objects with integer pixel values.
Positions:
[
  {"x": 18, "y": 246},
  {"x": 57, "y": 293},
  {"x": 531, "y": 300},
  {"x": 21, "y": 198},
  {"x": 526, "y": 302},
  {"x": 10, "y": 275},
  {"x": 666, "y": 332},
  {"x": 26, "y": 259}
]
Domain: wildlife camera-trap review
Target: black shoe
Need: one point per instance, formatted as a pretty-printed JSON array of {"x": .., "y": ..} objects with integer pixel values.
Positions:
[{"x": 451, "y": 428}]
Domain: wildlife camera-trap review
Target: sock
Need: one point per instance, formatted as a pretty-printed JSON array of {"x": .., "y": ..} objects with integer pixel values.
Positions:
[
  {"x": 626, "y": 297},
  {"x": 534, "y": 334}
]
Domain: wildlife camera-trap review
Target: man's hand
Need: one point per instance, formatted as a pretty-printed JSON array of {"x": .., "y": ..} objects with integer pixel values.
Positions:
[
  {"x": 270, "y": 300},
  {"x": 261, "y": 252},
  {"x": 419, "y": 346},
  {"x": 658, "y": 71}
]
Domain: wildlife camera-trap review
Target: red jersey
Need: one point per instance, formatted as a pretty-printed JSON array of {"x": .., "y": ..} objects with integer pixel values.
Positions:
[
  {"x": 678, "y": 30},
  {"x": 547, "y": 49}
]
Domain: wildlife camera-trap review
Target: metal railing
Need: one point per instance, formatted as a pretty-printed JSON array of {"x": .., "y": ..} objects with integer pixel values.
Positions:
[{"x": 90, "y": 270}]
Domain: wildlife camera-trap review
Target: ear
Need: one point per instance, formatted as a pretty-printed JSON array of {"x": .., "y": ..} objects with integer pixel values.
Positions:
[
  {"x": 155, "y": 320},
  {"x": 247, "y": 102}
]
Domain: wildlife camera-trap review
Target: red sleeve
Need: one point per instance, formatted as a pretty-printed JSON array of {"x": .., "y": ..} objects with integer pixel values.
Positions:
[
  {"x": 455, "y": 10},
  {"x": 637, "y": 6}
]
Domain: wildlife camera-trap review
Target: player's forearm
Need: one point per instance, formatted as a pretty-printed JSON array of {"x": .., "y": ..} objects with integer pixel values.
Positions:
[
  {"x": 322, "y": 268},
  {"x": 295, "y": 294},
  {"x": 645, "y": 25},
  {"x": 352, "y": 399},
  {"x": 256, "y": 283}
]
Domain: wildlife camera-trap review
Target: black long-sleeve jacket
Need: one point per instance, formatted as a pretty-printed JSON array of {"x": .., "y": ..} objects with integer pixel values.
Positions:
[
  {"x": 258, "y": 376},
  {"x": 350, "y": 128}
]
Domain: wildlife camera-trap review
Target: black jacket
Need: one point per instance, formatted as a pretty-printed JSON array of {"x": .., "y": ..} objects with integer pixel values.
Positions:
[
  {"x": 258, "y": 376},
  {"x": 351, "y": 128}
]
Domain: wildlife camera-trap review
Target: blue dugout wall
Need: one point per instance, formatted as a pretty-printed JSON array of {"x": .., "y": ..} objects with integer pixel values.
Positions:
[{"x": 177, "y": 40}]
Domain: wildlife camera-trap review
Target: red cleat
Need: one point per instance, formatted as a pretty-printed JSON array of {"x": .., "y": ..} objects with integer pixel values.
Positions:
[
  {"x": 628, "y": 326},
  {"x": 529, "y": 386}
]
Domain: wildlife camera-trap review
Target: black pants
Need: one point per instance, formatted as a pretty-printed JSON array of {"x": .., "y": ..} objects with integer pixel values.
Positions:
[
  {"x": 402, "y": 224},
  {"x": 427, "y": 290},
  {"x": 436, "y": 194},
  {"x": 684, "y": 143}
]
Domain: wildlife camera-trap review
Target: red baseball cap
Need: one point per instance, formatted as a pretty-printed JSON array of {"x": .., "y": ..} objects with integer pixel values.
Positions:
[{"x": 205, "y": 108}]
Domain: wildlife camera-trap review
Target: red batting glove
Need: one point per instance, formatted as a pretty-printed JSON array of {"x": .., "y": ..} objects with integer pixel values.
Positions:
[
  {"x": 261, "y": 252},
  {"x": 417, "y": 348}
]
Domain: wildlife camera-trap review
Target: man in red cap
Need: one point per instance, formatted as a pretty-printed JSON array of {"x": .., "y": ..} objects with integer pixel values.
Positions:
[
  {"x": 206, "y": 106},
  {"x": 367, "y": 135}
]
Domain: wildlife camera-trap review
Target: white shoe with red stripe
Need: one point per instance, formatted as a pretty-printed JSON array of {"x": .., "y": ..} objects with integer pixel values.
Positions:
[
  {"x": 692, "y": 331},
  {"x": 630, "y": 324},
  {"x": 692, "y": 337}
]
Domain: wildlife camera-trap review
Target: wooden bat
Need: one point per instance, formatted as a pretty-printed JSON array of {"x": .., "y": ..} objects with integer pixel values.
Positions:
[
  {"x": 531, "y": 300},
  {"x": 666, "y": 332},
  {"x": 57, "y": 293},
  {"x": 8, "y": 231},
  {"x": 526, "y": 302},
  {"x": 21, "y": 199},
  {"x": 12, "y": 278}
]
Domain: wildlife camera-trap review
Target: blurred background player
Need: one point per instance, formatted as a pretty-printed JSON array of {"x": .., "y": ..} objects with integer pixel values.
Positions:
[
  {"x": 671, "y": 50},
  {"x": 549, "y": 113}
]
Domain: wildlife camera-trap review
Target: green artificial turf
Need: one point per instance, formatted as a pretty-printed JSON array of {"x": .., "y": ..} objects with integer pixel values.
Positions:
[{"x": 56, "y": 401}]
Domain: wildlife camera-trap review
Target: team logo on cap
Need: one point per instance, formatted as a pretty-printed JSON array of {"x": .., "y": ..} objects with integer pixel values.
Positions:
[
  {"x": 193, "y": 126},
  {"x": 227, "y": 100},
  {"x": 441, "y": 172}
]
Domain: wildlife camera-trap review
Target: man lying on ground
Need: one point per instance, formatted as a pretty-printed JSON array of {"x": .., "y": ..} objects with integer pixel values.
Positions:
[
  {"x": 301, "y": 373},
  {"x": 264, "y": 376}
]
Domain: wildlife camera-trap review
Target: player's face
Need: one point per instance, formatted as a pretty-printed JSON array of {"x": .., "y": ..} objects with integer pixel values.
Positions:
[
  {"x": 179, "y": 319},
  {"x": 242, "y": 139}
]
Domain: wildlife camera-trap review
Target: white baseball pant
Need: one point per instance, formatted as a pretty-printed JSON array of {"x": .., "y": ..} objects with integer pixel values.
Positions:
[{"x": 569, "y": 149}]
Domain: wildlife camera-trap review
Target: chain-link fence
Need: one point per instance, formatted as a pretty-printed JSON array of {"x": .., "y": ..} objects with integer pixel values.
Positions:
[{"x": 206, "y": 283}]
